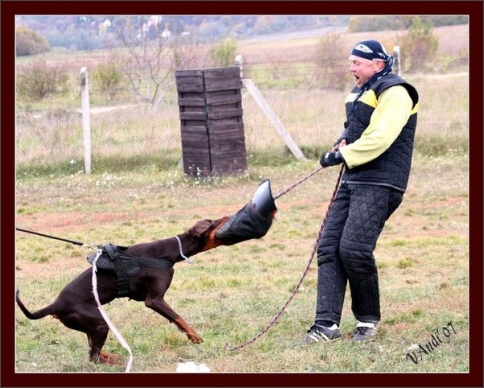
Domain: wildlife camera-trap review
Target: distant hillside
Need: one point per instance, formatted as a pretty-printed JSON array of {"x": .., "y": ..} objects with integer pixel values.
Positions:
[
  {"x": 302, "y": 46},
  {"x": 90, "y": 32},
  {"x": 87, "y": 32}
]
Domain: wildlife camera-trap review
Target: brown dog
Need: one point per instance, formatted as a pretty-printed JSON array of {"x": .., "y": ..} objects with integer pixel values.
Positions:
[{"x": 76, "y": 307}]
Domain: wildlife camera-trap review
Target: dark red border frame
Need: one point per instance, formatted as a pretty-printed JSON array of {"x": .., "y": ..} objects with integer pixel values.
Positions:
[{"x": 8, "y": 10}]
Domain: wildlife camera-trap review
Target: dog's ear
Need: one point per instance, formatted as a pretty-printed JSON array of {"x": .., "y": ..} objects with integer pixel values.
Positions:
[{"x": 200, "y": 228}]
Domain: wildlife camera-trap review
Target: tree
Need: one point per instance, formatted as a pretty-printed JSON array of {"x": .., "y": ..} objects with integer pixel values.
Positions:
[
  {"x": 147, "y": 61},
  {"x": 28, "y": 42},
  {"x": 151, "y": 56},
  {"x": 331, "y": 59},
  {"x": 419, "y": 45}
]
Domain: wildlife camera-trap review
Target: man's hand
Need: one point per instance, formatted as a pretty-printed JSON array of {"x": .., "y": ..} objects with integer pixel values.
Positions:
[
  {"x": 331, "y": 159},
  {"x": 340, "y": 143}
]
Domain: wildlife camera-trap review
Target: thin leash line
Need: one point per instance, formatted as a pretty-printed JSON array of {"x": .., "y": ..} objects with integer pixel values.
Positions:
[
  {"x": 308, "y": 265},
  {"x": 305, "y": 178},
  {"x": 80, "y": 243},
  {"x": 283, "y": 192},
  {"x": 53, "y": 237}
]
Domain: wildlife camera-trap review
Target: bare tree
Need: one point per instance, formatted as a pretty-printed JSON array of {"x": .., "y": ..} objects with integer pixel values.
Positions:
[
  {"x": 147, "y": 57},
  {"x": 151, "y": 55},
  {"x": 190, "y": 54}
]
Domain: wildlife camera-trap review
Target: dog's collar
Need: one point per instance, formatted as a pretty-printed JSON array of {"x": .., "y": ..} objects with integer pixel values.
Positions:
[{"x": 181, "y": 251}]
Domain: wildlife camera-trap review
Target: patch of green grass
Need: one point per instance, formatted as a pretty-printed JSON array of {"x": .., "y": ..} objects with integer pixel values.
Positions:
[
  {"x": 231, "y": 294},
  {"x": 405, "y": 263}
]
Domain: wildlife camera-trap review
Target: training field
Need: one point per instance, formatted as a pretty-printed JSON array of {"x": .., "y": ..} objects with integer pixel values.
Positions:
[{"x": 231, "y": 294}]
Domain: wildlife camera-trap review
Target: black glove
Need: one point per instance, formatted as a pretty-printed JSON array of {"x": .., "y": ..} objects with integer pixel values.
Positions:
[{"x": 331, "y": 159}]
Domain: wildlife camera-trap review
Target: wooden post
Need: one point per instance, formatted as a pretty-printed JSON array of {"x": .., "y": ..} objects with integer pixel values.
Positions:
[{"x": 86, "y": 122}]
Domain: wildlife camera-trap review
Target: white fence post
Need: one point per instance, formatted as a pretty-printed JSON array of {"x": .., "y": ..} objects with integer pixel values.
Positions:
[
  {"x": 238, "y": 62},
  {"x": 86, "y": 122},
  {"x": 397, "y": 59}
]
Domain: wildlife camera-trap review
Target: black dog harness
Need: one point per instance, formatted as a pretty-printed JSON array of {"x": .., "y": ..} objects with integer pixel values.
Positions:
[{"x": 114, "y": 259}]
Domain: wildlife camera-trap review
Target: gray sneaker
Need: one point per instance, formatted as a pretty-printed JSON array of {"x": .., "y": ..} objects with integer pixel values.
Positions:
[
  {"x": 319, "y": 333},
  {"x": 365, "y": 331}
]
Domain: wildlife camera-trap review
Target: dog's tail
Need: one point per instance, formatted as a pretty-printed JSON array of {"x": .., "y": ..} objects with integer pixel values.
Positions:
[{"x": 38, "y": 314}]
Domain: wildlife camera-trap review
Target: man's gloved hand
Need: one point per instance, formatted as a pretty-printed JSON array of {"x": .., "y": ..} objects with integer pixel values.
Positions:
[{"x": 331, "y": 159}]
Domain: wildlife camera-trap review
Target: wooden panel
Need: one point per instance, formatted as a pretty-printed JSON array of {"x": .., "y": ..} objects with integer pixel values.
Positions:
[
  {"x": 227, "y": 141},
  {"x": 221, "y": 72},
  {"x": 191, "y": 99},
  {"x": 216, "y": 114},
  {"x": 193, "y": 116},
  {"x": 219, "y": 128},
  {"x": 189, "y": 80},
  {"x": 197, "y": 134},
  {"x": 227, "y": 97},
  {"x": 222, "y": 84},
  {"x": 228, "y": 163},
  {"x": 222, "y": 78},
  {"x": 211, "y": 115}
]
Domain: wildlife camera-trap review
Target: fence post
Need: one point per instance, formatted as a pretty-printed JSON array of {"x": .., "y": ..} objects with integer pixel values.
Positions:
[
  {"x": 397, "y": 59},
  {"x": 238, "y": 62},
  {"x": 86, "y": 122}
]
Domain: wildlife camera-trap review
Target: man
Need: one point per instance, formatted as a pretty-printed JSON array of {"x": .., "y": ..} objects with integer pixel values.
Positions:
[{"x": 376, "y": 149}]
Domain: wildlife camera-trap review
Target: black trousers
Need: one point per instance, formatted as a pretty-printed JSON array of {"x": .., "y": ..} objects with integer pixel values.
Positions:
[{"x": 345, "y": 251}]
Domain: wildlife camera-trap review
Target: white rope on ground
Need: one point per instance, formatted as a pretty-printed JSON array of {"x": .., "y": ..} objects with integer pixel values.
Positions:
[{"x": 118, "y": 335}]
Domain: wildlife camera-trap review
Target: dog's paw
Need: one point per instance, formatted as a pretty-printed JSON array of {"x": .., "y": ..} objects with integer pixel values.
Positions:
[
  {"x": 194, "y": 338},
  {"x": 110, "y": 359}
]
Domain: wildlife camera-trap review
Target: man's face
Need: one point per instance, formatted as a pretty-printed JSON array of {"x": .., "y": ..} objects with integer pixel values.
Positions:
[{"x": 363, "y": 69}]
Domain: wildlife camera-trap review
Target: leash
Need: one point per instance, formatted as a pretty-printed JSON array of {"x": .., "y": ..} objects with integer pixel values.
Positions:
[
  {"x": 227, "y": 345},
  {"x": 280, "y": 194},
  {"x": 305, "y": 178},
  {"x": 53, "y": 237},
  {"x": 111, "y": 326},
  {"x": 116, "y": 332},
  {"x": 296, "y": 289}
]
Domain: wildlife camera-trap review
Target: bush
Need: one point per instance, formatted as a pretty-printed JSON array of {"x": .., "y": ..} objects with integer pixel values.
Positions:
[
  {"x": 332, "y": 62},
  {"x": 419, "y": 45},
  {"x": 29, "y": 42},
  {"x": 224, "y": 53},
  {"x": 38, "y": 80},
  {"x": 108, "y": 77}
]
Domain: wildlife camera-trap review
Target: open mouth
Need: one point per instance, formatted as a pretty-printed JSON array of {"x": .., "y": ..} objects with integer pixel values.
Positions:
[{"x": 212, "y": 242}]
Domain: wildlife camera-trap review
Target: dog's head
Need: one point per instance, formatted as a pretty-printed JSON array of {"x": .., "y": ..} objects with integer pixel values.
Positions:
[{"x": 204, "y": 231}]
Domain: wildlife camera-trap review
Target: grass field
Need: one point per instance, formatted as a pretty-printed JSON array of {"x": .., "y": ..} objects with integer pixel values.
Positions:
[
  {"x": 231, "y": 294},
  {"x": 49, "y": 133}
]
